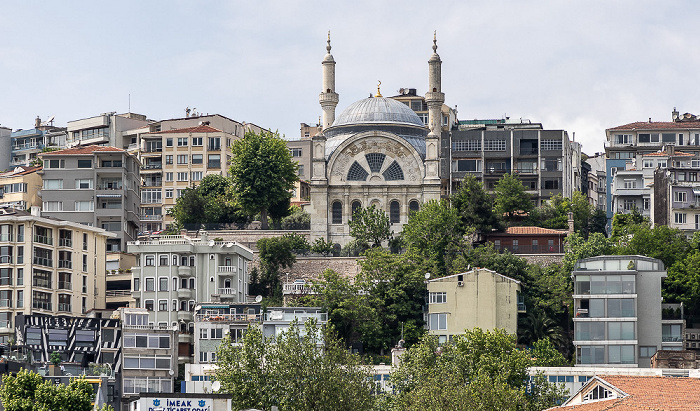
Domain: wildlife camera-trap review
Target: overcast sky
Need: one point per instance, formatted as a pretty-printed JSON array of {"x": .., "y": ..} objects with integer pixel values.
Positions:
[{"x": 581, "y": 66}]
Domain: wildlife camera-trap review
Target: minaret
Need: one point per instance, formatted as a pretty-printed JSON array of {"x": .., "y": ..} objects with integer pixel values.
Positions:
[
  {"x": 434, "y": 98},
  {"x": 328, "y": 97}
]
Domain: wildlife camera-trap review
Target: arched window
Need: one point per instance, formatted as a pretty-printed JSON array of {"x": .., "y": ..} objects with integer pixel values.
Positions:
[
  {"x": 394, "y": 212},
  {"x": 375, "y": 161},
  {"x": 357, "y": 172},
  {"x": 413, "y": 206},
  {"x": 393, "y": 172},
  {"x": 337, "y": 213},
  {"x": 356, "y": 205}
]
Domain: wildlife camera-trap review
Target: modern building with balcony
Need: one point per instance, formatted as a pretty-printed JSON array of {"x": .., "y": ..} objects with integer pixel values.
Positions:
[
  {"x": 27, "y": 144},
  {"x": 110, "y": 129},
  {"x": 619, "y": 319},
  {"x": 174, "y": 273},
  {"x": 48, "y": 266},
  {"x": 214, "y": 321},
  {"x": 19, "y": 188},
  {"x": 546, "y": 161},
  {"x": 478, "y": 298},
  {"x": 94, "y": 185}
]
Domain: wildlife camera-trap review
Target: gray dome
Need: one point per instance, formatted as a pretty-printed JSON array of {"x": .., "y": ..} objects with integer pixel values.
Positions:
[{"x": 378, "y": 110}]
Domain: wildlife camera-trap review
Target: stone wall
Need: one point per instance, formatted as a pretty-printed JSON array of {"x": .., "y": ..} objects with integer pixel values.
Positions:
[
  {"x": 247, "y": 238},
  {"x": 307, "y": 268},
  {"x": 542, "y": 259}
]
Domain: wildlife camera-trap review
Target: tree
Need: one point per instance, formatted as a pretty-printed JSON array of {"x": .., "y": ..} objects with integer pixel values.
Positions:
[
  {"x": 262, "y": 171},
  {"x": 298, "y": 219},
  {"x": 433, "y": 232},
  {"x": 543, "y": 354},
  {"x": 304, "y": 368},
  {"x": 479, "y": 370},
  {"x": 321, "y": 246},
  {"x": 683, "y": 283},
  {"x": 474, "y": 206},
  {"x": 667, "y": 244},
  {"x": 577, "y": 247},
  {"x": 274, "y": 253},
  {"x": 511, "y": 198},
  {"x": 370, "y": 225},
  {"x": 28, "y": 391},
  {"x": 212, "y": 202}
]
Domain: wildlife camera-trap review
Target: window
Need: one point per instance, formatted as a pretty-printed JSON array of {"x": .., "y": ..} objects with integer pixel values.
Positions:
[
  {"x": 551, "y": 164},
  {"x": 466, "y": 145},
  {"x": 84, "y": 163},
  {"x": 438, "y": 298},
  {"x": 680, "y": 196},
  {"x": 356, "y": 205},
  {"x": 150, "y": 260},
  {"x": 551, "y": 184},
  {"x": 137, "y": 283},
  {"x": 20, "y": 276},
  {"x": 169, "y": 176},
  {"x": 6, "y": 254},
  {"x": 620, "y": 354},
  {"x": 20, "y": 233},
  {"x": 550, "y": 145},
  {"x": 437, "y": 321},
  {"x": 162, "y": 305},
  {"x": 5, "y": 276},
  {"x": 55, "y": 163},
  {"x": 55, "y": 184},
  {"x": 169, "y": 192},
  {"x": 83, "y": 184},
  {"x": 163, "y": 283},
  {"x": 648, "y": 164},
  {"x": 150, "y": 284},
  {"x": 393, "y": 172},
  {"x": 618, "y": 331},
  {"x": 169, "y": 142},
  {"x": 84, "y": 206},
  {"x": 630, "y": 184},
  {"x": 5, "y": 232},
  {"x": 668, "y": 137},
  {"x": 495, "y": 145},
  {"x": 357, "y": 172},
  {"x": 20, "y": 298},
  {"x": 52, "y": 206},
  {"x": 646, "y": 202},
  {"x": 644, "y": 138},
  {"x": 394, "y": 212},
  {"x": 466, "y": 165},
  {"x": 300, "y": 170},
  {"x": 413, "y": 206},
  {"x": 169, "y": 159},
  {"x": 41, "y": 300},
  {"x": 623, "y": 138},
  {"x": 163, "y": 260},
  {"x": 629, "y": 204},
  {"x": 214, "y": 143},
  {"x": 85, "y": 263},
  {"x": 337, "y": 213},
  {"x": 296, "y": 152},
  {"x": 196, "y": 141},
  {"x": 197, "y": 158},
  {"x": 375, "y": 161},
  {"x": 148, "y": 304},
  {"x": 196, "y": 175},
  {"x": 647, "y": 352},
  {"x": 182, "y": 158},
  {"x": 182, "y": 176},
  {"x": 679, "y": 218},
  {"x": 151, "y": 196},
  {"x": 181, "y": 141},
  {"x": 214, "y": 161},
  {"x": 526, "y": 167}
]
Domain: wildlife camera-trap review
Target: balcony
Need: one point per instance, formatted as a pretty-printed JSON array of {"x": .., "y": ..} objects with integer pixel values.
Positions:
[
  {"x": 185, "y": 271},
  {"x": 526, "y": 170},
  {"x": 528, "y": 151},
  {"x": 110, "y": 186},
  {"x": 671, "y": 338},
  {"x": 43, "y": 239},
  {"x": 65, "y": 264},
  {"x": 65, "y": 285},
  {"x": 46, "y": 262},
  {"x": 152, "y": 183},
  {"x": 152, "y": 166},
  {"x": 118, "y": 293},
  {"x": 65, "y": 242},
  {"x": 184, "y": 293},
  {"x": 228, "y": 269},
  {"x": 226, "y": 291},
  {"x": 185, "y": 316},
  {"x": 230, "y": 318},
  {"x": 42, "y": 305},
  {"x": 64, "y": 307},
  {"x": 297, "y": 287},
  {"x": 531, "y": 249},
  {"x": 151, "y": 217}
]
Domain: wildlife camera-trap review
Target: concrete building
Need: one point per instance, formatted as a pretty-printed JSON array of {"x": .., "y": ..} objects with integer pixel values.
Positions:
[
  {"x": 48, "y": 266},
  {"x": 674, "y": 193},
  {"x": 177, "y": 154},
  {"x": 629, "y": 141},
  {"x": 618, "y": 315},
  {"x": 19, "y": 188},
  {"x": 597, "y": 181},
  {"x": 149, "y": 354},
  {"x": 478, "y": 298},
  {"x": 27, "y": 144},
  {"x": 546, "y": 161},
  {"x": 213, "y": 322},
  {"x": 5, "y": 147},
  {"x": 174, "y": 273},
  {"x": 118, "y": 282},
  {"x": 109, "y": 129},
  {"x": 96, "y": 186},
  {"x": 376, "y": 152}
]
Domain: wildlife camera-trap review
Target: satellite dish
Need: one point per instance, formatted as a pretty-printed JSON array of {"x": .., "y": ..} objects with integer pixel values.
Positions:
[
  {"x": 229, "y": 244},
  {"x": 258, "y": 299},
  {"x": 171, "y": 372},
  {"x": 216, "y": 386},
  {"x": 427, "y": 276},
  {"x": 137, "y": 242},
  {"x": 211, "y": 243}
]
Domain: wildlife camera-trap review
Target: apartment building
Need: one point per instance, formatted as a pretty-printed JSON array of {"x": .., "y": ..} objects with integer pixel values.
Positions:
[
  {"x": 417, "y": 103},
  {"x": 27, "y": 144},
  {"x": 478, "y": 298},
  {"x": 619, "y": 319},
  {"x": 174, "y": 273},
  {"x": 214, "y": 321},
  {"x": 5, "y": 147},
  {"x": 110, "y": 129},
  {"x": 546, "y": 161},
  {"x": 48, "y": 266},
  {"x": 597, "y": 187},
  {"x": 19, "y": 187},
  {"x": 642, "y": 138},
  {"x": 96, "y": 186},
  {"x": 177, "y": 154},
  {"x": 674, "y": 194}
]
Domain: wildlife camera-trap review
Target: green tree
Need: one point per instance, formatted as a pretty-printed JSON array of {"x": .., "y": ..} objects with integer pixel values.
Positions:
[
  {"x": 683, "y": 283},
  {"x": 474, "y": 206},
  {"x": 623, "y": 223},
  {"x": 212, "y": 202},
  {"x": 321, "y": 246},
  {"x": 511, "y": 198},
  {"x": 305, "y": 368},
  {"x": 543, "y": 354},
  {"x": 262, "y": 171},
  {"x": 434, "y": 233},
  {"x": 370, "y": 225},
  {"x": 577, "y": 247},
  {"x": 297, "y": 219},
  {"x": 667, "y": 244},
  {"x": 275, "y": 253},
  {"x": 479, "y": 370},
  {"x": 28, "y": 391}
]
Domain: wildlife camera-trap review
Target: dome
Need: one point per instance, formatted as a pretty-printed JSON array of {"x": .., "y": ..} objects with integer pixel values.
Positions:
[{"x": 378, "y": 110}]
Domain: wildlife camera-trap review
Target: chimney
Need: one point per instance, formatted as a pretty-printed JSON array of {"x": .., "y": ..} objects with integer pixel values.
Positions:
[
  {"x": 671, "y": 149},
  {"x": 36, "y": 211},
  {"x": 571, "y": 223},
  {"x": 37, "y": 122},
  {"x": 674, "y": 115}
]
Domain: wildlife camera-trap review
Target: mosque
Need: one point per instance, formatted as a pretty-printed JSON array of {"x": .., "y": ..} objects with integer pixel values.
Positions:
[{"x": 376, "y": 152}]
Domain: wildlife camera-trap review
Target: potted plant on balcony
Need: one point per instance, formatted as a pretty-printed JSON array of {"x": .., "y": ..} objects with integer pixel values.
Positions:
[{"x": 54, "y": 368}]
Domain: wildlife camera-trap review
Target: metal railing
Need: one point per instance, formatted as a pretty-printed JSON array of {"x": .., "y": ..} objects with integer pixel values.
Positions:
[
  {"x": 110, "y": 186},
  {"x": 43, "y": 239},
  {"x": 531, "y": 249},
  {"x": 42, "y": 305},
  {"x": 152, "y": 166},
  {"x": 65, "y": 285},
  {"x": 64, "y": 307},
  {"x": 65, "y": 242},
  {"x": 46, "y": 262},
  {"x": 118, "y": 293},
  {"x": 229, "y": 318},
  {"x": 151, "y": 217},
  {"x": 65, "y": 264}
]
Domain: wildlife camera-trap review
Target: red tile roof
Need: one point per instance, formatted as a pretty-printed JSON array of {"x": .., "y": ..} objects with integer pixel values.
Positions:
[
  {"x": 197, "y": 129},
  {"x": 84, "y": 150},
  {"x": 25, "y": 170},
  {"x": 659, "y": 125},
  {"x": 534, "y": 230},
  {"x": 646, "y": 393},
  {"x": 665, "y": 154}
]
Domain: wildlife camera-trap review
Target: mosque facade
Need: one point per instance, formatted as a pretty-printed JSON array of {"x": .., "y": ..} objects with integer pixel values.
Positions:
[{"x": 376, "y": 152}]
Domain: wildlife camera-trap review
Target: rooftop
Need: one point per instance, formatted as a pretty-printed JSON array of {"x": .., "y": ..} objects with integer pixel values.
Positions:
[
  {"x": 527, "y": 230},
  {"x": 20, "y": 171},
  {"x": 658, "y": 125},
  {"x": 202, "y": 128},
  {"x": 84, "y": 150}
]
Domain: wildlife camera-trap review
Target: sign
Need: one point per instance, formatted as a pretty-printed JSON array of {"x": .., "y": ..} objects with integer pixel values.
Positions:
[{"x": 167, "y": 404}]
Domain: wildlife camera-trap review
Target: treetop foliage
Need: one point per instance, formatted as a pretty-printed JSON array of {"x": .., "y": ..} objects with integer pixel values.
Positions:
[
  {"x": 370, "y": 225},
  {"x": 28, "y": 391}
]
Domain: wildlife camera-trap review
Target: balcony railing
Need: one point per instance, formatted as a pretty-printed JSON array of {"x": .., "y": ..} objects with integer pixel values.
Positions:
[
  {"x": 65, "y": 285},
  {"x": 46, "y": 262},
  {"x": 43, "y": 239},
  {"x": 40, "y": 282},
  {"x": 526, "y": 151},
  {"x": 65, "y": 242},
  {"x": 156, "y": 183},
  {"x": 42, "y": 305},
  {"x": 65, "y": 264},
  {"x": 152, "y": 166},
  {"x": 151, "y": 217},
  {"x": 297, "y": 288},
  {"x": 531, "y": 249},
  {"x": 6, "y": 259},
  {"x": 5, "y": 303},
  {"x": 672, "y": 338},
  {"x": 64, "y": 307},
  {"x": 227, "y": 269},
  {"x": 110, "y": 186},
  {"x": 225, "y": 291},
  {"x": 118, "y": 293},
  {"x": 229, "y": 318}
]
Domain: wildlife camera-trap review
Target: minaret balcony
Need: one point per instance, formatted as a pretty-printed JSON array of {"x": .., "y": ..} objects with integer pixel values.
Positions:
[
  {"x": 328, "y": 98},
  {"x": 434, "y": 96}
]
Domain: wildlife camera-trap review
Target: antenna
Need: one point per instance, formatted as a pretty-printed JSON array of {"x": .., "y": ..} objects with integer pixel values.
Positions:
[
  {"x": 129, "y": 102},
  {"x": 49, "y": 121}
]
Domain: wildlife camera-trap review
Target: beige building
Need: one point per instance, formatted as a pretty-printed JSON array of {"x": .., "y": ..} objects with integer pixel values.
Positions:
[
  {"x": 478, "y": 298},
  {"x": 20, "y": 187},
  {"x": 48, "y": 266}
]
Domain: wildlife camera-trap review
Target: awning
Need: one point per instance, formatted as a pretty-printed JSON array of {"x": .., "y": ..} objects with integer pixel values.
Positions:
[
  {"x": 696, "y": 191},
  {"x": 108, "y": 196}
]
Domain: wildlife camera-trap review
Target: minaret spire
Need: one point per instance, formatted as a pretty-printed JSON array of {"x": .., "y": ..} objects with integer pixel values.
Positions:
[
  {"x": 328, "y": 97},
  {"x": 434, "y": 98}
]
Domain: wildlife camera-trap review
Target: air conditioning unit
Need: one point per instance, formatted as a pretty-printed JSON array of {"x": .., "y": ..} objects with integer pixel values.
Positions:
[{"x": 460, "y": 283}]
